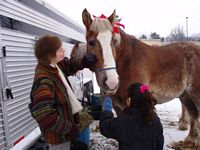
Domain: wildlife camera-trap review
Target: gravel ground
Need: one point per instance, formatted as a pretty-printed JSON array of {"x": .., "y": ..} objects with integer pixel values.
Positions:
[{"x": 169, "y": 115}]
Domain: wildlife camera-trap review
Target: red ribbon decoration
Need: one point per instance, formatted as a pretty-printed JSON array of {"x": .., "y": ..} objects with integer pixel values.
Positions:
[
  {"x": 116, "y": 25},
  {"x": 102, "y": 16}
]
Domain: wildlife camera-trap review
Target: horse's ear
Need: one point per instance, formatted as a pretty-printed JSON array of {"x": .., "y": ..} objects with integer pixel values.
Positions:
[
  {"x": 112, "y": 18},
  {"x": 76, "y": 45},
  {"x": 74, "y": 50},
  {"x": 86, "y": 18}
]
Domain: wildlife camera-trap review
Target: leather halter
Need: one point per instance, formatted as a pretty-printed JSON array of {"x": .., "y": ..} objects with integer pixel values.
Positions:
[{"x": 103, "y": 69}]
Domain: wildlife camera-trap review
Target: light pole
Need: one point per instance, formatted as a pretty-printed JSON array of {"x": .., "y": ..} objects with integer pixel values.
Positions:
[{"x": 187, "y": 27}]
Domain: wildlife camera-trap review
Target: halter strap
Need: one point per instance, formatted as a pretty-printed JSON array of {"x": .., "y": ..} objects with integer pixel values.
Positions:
[{"x": 103, "y": 69}]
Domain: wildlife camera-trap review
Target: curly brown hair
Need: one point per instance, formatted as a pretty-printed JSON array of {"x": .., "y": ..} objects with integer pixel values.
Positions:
[
  {"x": 143, "y": 102},
  {"x": 46, "y": 47}
]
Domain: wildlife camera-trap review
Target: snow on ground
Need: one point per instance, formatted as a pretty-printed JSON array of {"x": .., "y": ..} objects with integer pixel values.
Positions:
[{"x": 169, "y": 114}]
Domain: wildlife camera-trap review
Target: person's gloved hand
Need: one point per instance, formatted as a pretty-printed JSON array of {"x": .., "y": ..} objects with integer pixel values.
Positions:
[
  {"x": 107, "y": 104},
  {"x": 85, "y": 119},
  {"x": 89, "y": 60}
]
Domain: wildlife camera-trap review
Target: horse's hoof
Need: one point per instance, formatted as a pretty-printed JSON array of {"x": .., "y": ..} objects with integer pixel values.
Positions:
[
  {"x": 198, "y": 146},
  {"x": 188, "y": 144},
  {"x": 183, "y": 145},
  {"x": 176, "y": 145},
  {"x": 183, "y": 128}
]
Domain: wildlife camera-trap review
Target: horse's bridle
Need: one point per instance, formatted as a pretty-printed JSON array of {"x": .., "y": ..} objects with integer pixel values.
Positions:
[
  {"x": 109, "y": 68},
  {"x": 103, "y": 69}
]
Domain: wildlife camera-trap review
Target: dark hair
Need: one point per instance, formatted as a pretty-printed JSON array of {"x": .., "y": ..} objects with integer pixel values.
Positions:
[
  {"x": 46, "y": 47},
  {"x": 143, "y": 101}
]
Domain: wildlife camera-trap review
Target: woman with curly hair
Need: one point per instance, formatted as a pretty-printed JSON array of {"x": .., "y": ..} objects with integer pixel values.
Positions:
[{"x": 53, "y": 103}]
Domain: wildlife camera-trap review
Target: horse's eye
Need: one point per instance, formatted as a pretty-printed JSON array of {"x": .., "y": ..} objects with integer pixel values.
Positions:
[{"x": 91, "y": 43}]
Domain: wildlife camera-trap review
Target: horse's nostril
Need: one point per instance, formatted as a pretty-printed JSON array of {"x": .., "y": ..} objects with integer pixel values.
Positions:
[
  {"x": 104, "y": 80},
  {"x": 106, "y": 87}
]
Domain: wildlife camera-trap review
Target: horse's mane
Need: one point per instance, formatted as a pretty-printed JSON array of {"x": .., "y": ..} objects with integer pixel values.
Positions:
[
  {"x": 125, "y": 34},
  {"x": 100, "y": 25},
  {"x": 124, "y": 38}
]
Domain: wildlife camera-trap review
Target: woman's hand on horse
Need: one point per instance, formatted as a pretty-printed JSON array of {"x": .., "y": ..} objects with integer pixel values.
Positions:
[{"x": 89, "y": 60}]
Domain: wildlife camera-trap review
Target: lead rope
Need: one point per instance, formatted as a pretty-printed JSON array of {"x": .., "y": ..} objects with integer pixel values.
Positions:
[{"x": 102, "y": 97}]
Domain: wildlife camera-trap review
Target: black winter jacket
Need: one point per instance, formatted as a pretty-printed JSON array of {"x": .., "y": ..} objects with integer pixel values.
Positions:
[{"x": 130, "y": 131}]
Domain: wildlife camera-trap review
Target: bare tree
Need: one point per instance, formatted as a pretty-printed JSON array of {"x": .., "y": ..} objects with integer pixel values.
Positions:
[
  {"x": 143, "y": 36},
  {"x": 154, "y": 35},
  {"x": 195, "y": 37},
  {"x": 176, "y": 34}
]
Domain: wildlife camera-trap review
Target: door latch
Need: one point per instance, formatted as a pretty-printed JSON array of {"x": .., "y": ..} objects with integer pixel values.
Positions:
[
  {"x": 4, "y": 51},
  {"x": 7, "y": 93}
]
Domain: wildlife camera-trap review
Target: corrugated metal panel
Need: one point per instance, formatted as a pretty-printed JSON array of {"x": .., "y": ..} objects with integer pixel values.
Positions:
[
  {"x": 20, "y": 63},
  {"x": 2, "y": 129},
  {"x": 19, "y": 69},
  {"x": 16, "y": 10}
]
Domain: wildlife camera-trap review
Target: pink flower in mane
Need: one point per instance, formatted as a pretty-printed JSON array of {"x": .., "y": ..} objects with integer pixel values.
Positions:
[{"x": 144, "y": 88}]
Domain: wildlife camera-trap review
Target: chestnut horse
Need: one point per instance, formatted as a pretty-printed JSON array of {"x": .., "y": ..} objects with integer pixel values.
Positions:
[{"x": 171, "y": 71}]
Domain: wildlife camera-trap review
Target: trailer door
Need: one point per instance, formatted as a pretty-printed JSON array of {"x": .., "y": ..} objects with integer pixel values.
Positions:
[
  {"x": 18, "y": 65},
  {"x": 2, "y": 131}
]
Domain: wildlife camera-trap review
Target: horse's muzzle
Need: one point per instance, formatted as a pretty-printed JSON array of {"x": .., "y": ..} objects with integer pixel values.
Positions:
[{"x": 107, "y": 90}]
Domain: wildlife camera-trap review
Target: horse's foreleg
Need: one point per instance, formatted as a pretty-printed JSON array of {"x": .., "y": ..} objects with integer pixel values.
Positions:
[
  {"x": 184, "y": 119},
  {"x": 192, "y": 141}
]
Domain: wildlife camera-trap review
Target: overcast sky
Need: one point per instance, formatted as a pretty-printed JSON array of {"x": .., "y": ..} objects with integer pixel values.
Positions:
[{"x": 139, "y": 17}]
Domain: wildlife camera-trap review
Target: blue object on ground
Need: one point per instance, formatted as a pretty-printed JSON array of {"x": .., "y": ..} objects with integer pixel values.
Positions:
[
  {"x": 107, "y": 104},
  {"x": 85, "y": 136}
]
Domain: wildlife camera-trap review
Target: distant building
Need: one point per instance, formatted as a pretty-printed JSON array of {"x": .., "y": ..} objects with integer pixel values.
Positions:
[
  {"x": 196, "y": 42},
  {"x": 155, "y": 42}
]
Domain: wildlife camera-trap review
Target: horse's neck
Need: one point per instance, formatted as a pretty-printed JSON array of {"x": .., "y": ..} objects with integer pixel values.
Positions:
[
  {"x": 133, "y": 56},
  {"x": 130, "y": 47}
]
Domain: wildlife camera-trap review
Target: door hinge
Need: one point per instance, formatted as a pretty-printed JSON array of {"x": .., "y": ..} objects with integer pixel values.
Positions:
[
  {"x": 4, "y": 51},
  {"x": 7, "y": 93}
]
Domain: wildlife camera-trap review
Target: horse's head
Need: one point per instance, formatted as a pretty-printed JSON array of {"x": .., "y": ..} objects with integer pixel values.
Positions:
[{"x": 101, "y": 42}]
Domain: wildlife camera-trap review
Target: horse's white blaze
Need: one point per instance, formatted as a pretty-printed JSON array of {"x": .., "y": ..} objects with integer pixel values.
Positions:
[{"x": 112, "y": 76}]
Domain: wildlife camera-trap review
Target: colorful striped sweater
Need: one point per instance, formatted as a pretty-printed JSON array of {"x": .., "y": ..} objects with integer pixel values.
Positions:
[{"x": 50, "y": 103}]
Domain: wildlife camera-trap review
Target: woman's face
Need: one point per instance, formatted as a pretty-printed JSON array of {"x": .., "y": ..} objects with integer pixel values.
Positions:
[{"x": 59, "y": 55}]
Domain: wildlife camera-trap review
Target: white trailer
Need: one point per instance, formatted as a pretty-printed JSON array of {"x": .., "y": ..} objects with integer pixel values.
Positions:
[{"x": 21, "y": 22}]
